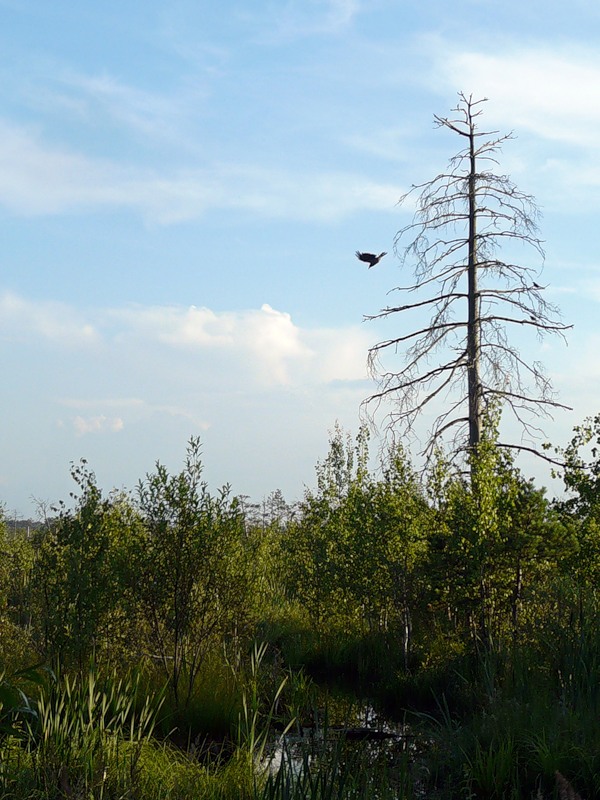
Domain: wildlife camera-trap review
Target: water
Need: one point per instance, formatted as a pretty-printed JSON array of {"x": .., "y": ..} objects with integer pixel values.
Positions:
[{"x": 361, "y": 731}]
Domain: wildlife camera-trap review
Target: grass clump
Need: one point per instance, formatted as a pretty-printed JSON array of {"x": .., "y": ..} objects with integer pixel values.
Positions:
[{"x": 88, "y": 736}]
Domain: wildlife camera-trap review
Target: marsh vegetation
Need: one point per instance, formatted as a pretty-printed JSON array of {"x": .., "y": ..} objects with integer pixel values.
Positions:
[{"x": 392, "y": 635}]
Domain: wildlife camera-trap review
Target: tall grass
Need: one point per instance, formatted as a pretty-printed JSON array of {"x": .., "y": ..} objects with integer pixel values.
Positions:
[
  {"x": 93, "y": 739},
  {"x": 211, "y": 713},
  {"x": 339, "y": 772},
  {"x": 511, "y": 721},
  {"x": 89, "y": 735}
]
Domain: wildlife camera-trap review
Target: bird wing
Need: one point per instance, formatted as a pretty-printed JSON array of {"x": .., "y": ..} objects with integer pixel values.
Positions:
[{"x": 368, "y": 258}]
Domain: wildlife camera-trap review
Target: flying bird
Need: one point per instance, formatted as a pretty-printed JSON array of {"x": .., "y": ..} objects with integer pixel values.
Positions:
[{"x": 370, "y": 258}]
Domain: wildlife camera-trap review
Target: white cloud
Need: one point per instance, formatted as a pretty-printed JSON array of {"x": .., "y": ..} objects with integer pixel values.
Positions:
[
  {"x": 267, "y": 346},
  {"x": 21, "y": 318},
  {"x": 300, "y": 18},
  {"x": 554, "y": 92},
  {"x": 342, "y": 354},
  {"x": 153, "y": 114},
  {"x": 274, "y": 342},
  {"x": 549, "y": 95},
  {"x": 183, "y": 327},
  {"x": 261, "y": 347},
  {"x": 37, "y": 179},
  {"x": 97, "y": 424},
  {"x": 265, "y": 192}
]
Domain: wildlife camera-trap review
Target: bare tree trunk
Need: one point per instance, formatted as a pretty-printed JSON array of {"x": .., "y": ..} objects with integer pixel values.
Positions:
[
  {"x": 407, "y": 623},
  {"x": 473, "y": 321}
]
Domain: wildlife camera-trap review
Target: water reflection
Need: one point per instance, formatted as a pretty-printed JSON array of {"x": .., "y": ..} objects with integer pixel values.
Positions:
[{"x": 343, "y": 725}]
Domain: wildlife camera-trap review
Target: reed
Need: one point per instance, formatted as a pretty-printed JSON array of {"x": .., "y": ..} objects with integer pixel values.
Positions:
[
  {"x": 256, "y": 717},
  {"x": 338, "y": 772},
  {"x": 88, "y": 737}
]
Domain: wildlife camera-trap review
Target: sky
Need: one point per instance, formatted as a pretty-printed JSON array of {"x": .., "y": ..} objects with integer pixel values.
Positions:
[{"x": 183, "y": 186}]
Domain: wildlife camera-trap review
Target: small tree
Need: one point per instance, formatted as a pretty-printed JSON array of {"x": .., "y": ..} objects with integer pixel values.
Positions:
[
  {"x": 580, "y": 509},
  {"x": 355, "y": 551},
  {"x": 80, "y": 573},
  {"x": 462, "y": 219},
  {"x": 194, "y": 568}
]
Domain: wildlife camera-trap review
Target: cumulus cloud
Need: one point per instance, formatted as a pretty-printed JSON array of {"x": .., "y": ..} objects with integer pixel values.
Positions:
[
  {"x": 274, "y": 342},
  {"x": 260, "y": 347},
  {"x": 194, "y": 327},
  {"x": 264, "y": 344},
  {"x": 342, "y": 354}
]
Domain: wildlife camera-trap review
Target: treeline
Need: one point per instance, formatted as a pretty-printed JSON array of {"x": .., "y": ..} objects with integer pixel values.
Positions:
[
  {"x": 429, "y": 565},
  {"x": 470, "y": 596}
]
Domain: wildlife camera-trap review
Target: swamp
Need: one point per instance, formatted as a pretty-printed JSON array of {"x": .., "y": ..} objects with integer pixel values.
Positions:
[{"x": 391, "y": 636}]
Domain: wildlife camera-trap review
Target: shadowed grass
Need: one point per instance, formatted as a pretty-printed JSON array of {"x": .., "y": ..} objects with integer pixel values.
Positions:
[{"x": 339, "y": 772}]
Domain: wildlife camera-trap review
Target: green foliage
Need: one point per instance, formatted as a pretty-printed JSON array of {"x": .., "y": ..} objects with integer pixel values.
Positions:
[
  {"x": 492, "y": 772},
  {"x": 580, "y": 510},
  {"x": 18, "y": 707},
  {"x": 81, "y": 573},
  {"x": 89, "y": 735},
  {"x": 354, "y": 552},
  {"x": 469, "y": 597},
  {"x": 16, "y": 564},
  {"x": 194, "y": 568},
  {"x": 254, "y": 721},
  {"x": 495, "y": 540},
  {"x": 581, "y": 472},
  {"x": 74, "y": 738}
]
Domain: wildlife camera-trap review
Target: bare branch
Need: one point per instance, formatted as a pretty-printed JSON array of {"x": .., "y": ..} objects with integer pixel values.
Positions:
[
  {"x": 385, "y": 312},
  {"x": 533, "y": 450},
  {"x": 463, "y": 216},
  {"x": 391, "y": 342}
]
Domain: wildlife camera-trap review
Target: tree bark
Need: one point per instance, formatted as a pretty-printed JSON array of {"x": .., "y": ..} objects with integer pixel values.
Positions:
[{"x": 473, "y": 322}]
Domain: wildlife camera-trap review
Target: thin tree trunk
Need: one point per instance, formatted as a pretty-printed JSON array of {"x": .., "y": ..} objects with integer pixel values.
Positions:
[
  {"x": 516, "y": 598},
  {"x": 473, "y": 322}
]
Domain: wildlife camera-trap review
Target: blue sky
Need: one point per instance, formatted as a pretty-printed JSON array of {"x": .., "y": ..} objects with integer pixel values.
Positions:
[{"x": 182, "y": 189}]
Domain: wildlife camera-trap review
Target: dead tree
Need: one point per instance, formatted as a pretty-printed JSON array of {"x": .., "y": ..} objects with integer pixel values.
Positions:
[{"x": 463, "y": 361}]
